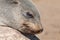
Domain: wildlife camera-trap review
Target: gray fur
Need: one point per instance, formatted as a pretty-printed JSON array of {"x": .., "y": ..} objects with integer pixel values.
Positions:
[{"x": 13, "y": 14}]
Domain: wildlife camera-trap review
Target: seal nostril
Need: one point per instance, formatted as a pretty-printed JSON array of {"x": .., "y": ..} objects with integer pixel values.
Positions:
[
  {"x": 41, "y": 30},
  {"x": 38, "y": 31}
]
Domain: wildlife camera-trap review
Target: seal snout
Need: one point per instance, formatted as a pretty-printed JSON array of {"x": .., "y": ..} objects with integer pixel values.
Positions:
[
  {"x": 38, "y": 31},
  {"x": 32, "y": 29}
]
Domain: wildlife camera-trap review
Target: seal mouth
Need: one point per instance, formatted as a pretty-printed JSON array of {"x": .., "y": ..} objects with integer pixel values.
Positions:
[{"x": 28, "y": 30}]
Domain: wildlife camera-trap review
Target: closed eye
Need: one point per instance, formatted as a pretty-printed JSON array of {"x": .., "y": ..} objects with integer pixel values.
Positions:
[
  {"x": 29, "y": 15},
  {"x": 15, "y": 2}
]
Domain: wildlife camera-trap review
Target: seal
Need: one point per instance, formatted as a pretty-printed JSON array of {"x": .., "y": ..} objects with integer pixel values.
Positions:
[{"x": 21, "y": 15}]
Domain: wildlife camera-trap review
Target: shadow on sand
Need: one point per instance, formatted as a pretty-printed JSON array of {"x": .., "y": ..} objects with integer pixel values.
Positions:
[{"x": 31, "y": 36}]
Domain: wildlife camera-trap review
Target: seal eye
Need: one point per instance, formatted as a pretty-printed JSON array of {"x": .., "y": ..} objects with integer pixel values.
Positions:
[
  {"x": 29, "y": 15},
  {"x": 15, "y": 2}
]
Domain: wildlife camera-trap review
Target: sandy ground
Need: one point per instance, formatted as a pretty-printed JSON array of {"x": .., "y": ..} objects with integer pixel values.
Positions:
[{"x": 50, "y": 18}]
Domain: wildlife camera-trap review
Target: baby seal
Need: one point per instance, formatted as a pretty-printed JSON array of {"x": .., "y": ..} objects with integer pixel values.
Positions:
[{"x": 21, "y": 15}]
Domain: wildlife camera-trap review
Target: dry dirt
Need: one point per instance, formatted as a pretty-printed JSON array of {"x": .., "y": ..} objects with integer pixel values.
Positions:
[{"x": 50, "y": 18}]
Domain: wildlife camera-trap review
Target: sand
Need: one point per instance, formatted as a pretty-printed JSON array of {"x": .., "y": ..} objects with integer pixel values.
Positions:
[{"x": 50, "y": 18}]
